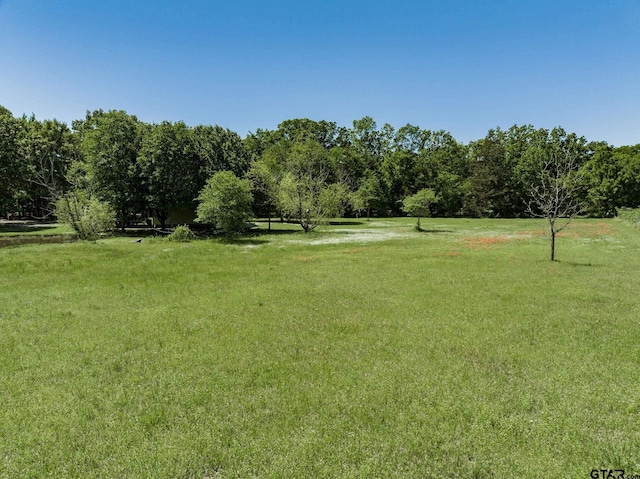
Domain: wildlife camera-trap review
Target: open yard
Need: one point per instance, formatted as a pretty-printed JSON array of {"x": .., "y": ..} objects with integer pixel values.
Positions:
[{"x": 363, "y": 350}]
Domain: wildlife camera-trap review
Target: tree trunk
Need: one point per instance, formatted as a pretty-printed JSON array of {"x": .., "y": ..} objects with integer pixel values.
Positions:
[
  {"x": 553, "y": 244},
  {"x": 162, "y": 217},
  {"x": 368, "y": 212},
  {"x": 269, "y": 219},
  {"x": 419, "y": 224},
  {"x": 123, "y": 214}
]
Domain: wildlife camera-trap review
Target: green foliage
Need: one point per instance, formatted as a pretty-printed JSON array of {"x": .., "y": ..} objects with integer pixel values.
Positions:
[
  {"x": 419, "y": 205},
  {"x": 13, "y": 168},
  {"x": 50, "y": 148},
  {"x": 503, "y": 167},
  {"x": 225, "y": 202},
  {"x": 88, "y": 216},
  {"x": 266, "y": 173},
  {"x": 218, "y": 149},
  {"x": 300, "y": 130},
  {"x": 630, "y": 215},
  {"x": 612, "y": 179},
  {"x": 367, "y": 195},
  {"x": 138, "y": 167},
  {"x": 170, "y": 167},
  {"x": 335, "y": 199},
  {"x": 111, "y": 142},
  {"x": 306, "y": 191},
  {"x": 181, "y": 234},
  {"x": 310, "y": 200}
]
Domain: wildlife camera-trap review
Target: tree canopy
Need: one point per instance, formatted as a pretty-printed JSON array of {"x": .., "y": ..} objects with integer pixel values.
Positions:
[{"x": 304, "y": 170}]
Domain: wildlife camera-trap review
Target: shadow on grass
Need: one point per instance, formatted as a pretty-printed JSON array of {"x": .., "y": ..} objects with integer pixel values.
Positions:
[
  {"x": 13, "y": 228},
  {"x": 135, "y": 232},
  {"x": 240, "y": 240},
  {"x": 432, "y": 230},
  {"x": 262, "y": 232},
  {"x": 8, "y": 241},
  {"x": 577, "y": 264},
  {"x": 253, "y": 237},
  {"x": 346, "y": 223}
]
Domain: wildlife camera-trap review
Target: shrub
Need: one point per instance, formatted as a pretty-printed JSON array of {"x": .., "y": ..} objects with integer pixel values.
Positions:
[
  {"x": 225, "y": 202},
  {"x": 630, "y": 215},
  {"x": 181, "y": 234},
  {"x": 88, "y": 217}
]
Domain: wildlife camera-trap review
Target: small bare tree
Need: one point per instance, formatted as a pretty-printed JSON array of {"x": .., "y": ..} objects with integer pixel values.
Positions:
[{"x": 555, "y": 196}]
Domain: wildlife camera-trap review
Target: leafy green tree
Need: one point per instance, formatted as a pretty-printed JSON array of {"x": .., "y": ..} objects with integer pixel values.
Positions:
[
  {"x": 225, "y": 202},
  {"x": 501, "y": 167},
  {"x": 398, "y": 170},
  {"x": 111, "y": 142},
  {"x": 367, "y": 195},
  {"x": 255, "y": 144},
  {"x": 335, "y": 199},
  {"x": 612, "y": 179},
  {"x": 310, "y": 200},
  {"x": 370, "y": 143},
  {"x": 410, "y": 138},
  {"x": 169, "y": 165},
  {"x": 424, "y": 159},
  {"x": 266, "y": 174},
  {"x": 347, "y": 166},
  {"x": 300, "y": 130},
  {"x": 13, "y": 168},
  {"x": 219, "y": 149},
  {"x": 49, "y": 147},
  {"x": 628, "y": 157},
  {"x": 419, "y": 205},
  {"x": 306, "y": 192},
  {"x": 485, "y": 186},
  {"x": 442, "y": 166}
]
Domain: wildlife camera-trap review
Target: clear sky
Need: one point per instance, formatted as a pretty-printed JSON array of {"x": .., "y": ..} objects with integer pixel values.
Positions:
[{"x": 464, "y": 66}]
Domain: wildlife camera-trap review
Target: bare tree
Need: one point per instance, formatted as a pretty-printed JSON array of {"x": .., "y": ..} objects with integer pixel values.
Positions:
[{"x": 556, "y": 194}]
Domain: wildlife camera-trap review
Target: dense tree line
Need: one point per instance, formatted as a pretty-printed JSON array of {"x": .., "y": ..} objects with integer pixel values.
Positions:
[{"x": 304, "y": 170}]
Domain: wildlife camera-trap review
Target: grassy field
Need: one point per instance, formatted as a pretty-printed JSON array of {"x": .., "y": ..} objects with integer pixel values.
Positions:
[{"x": 364, "y": 350}]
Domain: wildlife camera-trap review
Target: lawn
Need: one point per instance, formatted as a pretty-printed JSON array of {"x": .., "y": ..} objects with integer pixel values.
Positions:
[{"x": 365, "y": 349}]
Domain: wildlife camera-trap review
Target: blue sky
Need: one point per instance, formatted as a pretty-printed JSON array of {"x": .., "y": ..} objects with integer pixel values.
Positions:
[{"x": 464, "y": 66}]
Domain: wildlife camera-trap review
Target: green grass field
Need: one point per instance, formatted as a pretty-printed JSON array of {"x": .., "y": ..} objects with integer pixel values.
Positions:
[{"x": 363, "y": 350}]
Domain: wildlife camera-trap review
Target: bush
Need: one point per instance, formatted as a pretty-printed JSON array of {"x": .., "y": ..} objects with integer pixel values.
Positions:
[
  {"x": 630, "y": 215},
  {"x": 225, "y": 202},
  {"x": 88, "y": 217},
  {"x": 181, "y": 234}
]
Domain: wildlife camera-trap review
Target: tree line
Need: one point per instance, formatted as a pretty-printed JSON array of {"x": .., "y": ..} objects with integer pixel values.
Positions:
[{"x": 304, "y": 170}]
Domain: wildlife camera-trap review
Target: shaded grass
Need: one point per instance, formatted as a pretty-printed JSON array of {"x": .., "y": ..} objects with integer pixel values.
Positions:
[
  {"x": 413, "y": 357},
  {"x": 31, "y": 229}
]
